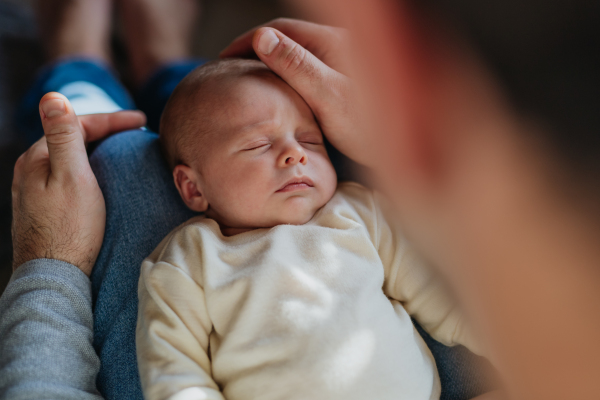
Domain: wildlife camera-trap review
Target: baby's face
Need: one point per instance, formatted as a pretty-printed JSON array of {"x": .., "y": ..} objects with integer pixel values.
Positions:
[{"x": 264, "y": 162}]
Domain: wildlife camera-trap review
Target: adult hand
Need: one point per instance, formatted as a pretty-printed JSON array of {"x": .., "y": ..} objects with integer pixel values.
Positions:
[
  {"x": 58, "y": 208},
  {"x": 311, "y": 58}
]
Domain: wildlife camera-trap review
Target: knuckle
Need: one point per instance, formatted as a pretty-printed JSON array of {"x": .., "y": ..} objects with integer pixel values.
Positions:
[
  {"x": 16, "y": 182},
  {"x": 14, "y": 190},
  {"x": 82, "y": 179},
  {"x": 16, "y": 174},
  {"x": 78, "y": 180},
  {"x": 19, "y": 162},
  {"x": 293, "y": 58},
  {"x": 61, "y": 133}
]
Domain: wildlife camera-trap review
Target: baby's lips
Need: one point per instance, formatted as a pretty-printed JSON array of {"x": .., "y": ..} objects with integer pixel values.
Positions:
[{"x": 302, "y": 180}]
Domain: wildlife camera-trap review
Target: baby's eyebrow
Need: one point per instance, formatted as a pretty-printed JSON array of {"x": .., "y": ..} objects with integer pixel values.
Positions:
[
  {"x": 248, "y": 133},
  {"x": 245, "y": 133},
  {"x": 259, "y": 125}
]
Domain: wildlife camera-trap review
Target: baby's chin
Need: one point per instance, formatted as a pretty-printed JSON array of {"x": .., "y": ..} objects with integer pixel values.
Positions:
[
  {"x": 294, "y": 211},
  {"x": 298, "y": 211},
  {"x": 292, "y": 216},
  {"x": 299, "y": 219}
]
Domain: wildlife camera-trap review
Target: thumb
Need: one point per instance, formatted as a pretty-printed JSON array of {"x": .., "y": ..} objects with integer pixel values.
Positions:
[
  {"x": 63, "y": 134},
  {"x": 308, "y": 75}
]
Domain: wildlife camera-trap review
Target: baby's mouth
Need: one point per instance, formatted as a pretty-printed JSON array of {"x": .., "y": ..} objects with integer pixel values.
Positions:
[{"x": 294, "y": 184}]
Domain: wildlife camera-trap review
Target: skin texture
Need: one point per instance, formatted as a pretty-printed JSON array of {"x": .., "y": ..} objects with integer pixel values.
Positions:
[
  {"x": 265, "y": 137},
  {"x": 58, "y": 208},
  {"x": 475, "y": 188},
  {"x": 315, "y": 67}
]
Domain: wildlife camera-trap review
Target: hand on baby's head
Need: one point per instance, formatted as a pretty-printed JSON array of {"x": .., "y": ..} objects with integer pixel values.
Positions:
[{"x": 245, "y": 148}]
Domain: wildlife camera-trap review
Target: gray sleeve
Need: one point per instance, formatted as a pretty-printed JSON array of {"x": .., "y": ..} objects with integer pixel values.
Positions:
[{"x": 46, "y": 331}]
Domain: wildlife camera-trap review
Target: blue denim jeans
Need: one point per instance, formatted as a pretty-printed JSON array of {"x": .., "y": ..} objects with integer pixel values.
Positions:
[{"x": 142, "y": 207}]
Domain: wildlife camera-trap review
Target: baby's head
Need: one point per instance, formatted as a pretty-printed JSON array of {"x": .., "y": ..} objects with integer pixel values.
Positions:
[{"x": 245, "y": 148}]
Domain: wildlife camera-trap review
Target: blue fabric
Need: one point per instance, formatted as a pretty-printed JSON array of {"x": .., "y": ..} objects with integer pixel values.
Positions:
[
  {"x": 463, "y": 375},
  {"x": 142, "y": 207},
  {"x": 53, "y": 77},
  {"x": 150, "y": 98}
]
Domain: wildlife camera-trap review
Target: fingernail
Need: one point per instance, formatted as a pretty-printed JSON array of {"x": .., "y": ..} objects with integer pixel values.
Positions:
[
  {"x": 267, "y": 42},
  {"x": 54, "y": 108}
]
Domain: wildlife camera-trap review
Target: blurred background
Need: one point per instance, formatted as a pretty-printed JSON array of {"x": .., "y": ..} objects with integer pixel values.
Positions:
[{"x": 21, "y": 56}]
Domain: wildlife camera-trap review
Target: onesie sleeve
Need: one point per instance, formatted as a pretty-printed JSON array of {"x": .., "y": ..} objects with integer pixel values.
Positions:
[
  {"x": 173, "y": 328},
  {"x": 411, "y": 281}
]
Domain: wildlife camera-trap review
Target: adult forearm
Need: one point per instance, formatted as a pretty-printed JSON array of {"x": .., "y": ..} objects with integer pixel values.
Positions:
[{"x": 46, "y": 330}]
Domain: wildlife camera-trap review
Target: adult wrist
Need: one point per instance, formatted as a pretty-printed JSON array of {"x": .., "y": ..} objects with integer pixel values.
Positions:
[{"x": 50, "y": 268}]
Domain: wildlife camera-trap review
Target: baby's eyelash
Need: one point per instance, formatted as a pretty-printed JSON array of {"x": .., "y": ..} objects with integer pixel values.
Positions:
[
  {"x": 256, "y": 146},
  {"x": 315, "y": 143}
]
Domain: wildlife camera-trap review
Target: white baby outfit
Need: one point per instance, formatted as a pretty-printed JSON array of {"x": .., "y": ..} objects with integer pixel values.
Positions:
[{"x": 316, "y": 311}]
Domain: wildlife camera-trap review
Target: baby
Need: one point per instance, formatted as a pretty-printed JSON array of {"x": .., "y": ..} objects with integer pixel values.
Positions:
[{"x": 290, "y": 286}]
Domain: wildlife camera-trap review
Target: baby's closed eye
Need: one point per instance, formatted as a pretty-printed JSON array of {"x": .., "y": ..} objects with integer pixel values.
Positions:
[
  {"x": 262, "y": 144},
  {"x": 311, "y": 139},
  {"x": 311, "y": 142}
]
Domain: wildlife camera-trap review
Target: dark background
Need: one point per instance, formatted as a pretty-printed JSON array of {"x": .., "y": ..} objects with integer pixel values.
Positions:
[{"x": 220, "y": 22}]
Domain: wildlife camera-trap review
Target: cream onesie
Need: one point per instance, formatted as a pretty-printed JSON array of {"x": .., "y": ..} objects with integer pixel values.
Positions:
[{"x": 314, "y": 311}]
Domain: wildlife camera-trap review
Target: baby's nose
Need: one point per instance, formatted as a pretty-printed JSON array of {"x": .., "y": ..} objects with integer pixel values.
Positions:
[
  {"x": 293, "y": 155},
  {"x": 292, "y": 160}
]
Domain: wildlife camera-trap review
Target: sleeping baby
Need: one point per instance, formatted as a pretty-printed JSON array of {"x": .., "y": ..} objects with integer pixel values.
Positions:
[{"x": 290, "y": 285}]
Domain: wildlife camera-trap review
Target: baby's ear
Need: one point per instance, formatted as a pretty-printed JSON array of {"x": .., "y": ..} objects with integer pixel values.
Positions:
[{"x": 187, "y": 183}]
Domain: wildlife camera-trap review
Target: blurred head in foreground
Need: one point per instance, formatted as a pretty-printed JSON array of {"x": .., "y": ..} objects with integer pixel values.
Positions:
[{"x": 486, "y": 117}]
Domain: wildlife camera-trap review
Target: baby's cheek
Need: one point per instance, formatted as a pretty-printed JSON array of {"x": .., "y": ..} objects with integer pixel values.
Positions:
[
  {"x": 328, "y": 177},
  {"x": 249, "y": 194}
]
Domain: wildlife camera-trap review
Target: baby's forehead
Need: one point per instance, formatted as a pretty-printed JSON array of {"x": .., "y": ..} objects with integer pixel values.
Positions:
[
  {"x": 242, "y": 99},
  {"x": 229, "y": 90},
  {"x": 222, "y": 107},
  {"x": 225, "y": 104}
]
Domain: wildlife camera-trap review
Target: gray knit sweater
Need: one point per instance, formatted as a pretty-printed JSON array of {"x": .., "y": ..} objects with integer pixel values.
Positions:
[{"x": 46, "y": 329}]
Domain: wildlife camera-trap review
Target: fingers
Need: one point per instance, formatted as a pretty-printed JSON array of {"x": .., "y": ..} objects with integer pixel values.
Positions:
[
  {"x": 308, "y": 75},
  {"x": 98, "y": 126},
  {"x": 311, "y": 36},
  {"x": 242, "y": 45},
  {"x": 64, "y": 135}
]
